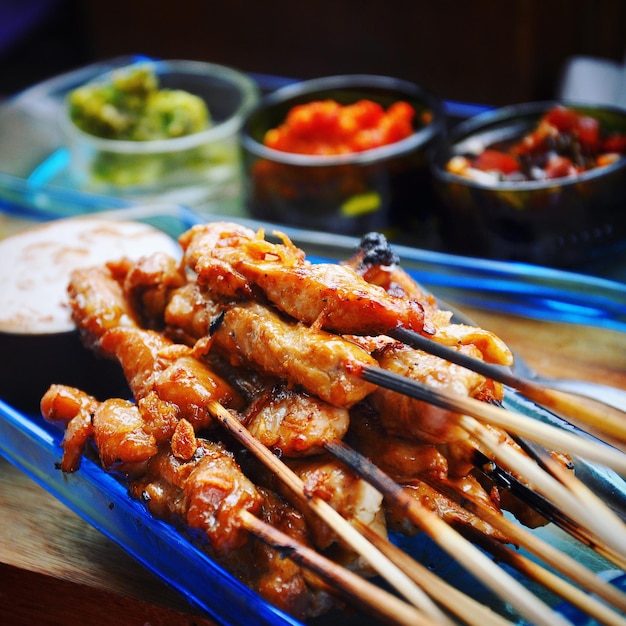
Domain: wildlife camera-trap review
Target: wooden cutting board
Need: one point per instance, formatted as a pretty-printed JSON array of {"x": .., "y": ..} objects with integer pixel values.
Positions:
[{"x": 56, "y": 569}]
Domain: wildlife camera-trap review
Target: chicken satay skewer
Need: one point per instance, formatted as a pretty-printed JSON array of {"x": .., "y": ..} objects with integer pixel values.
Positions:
[
  {"x": 414, "y": 510},
  {"x": 604, "y": 522},
  {"x": 243, "y": 327},
  {"x": 342, "y": 373},
  {"x": 519, "y": 597},
  {"x": 235, "y": 262},
  {"x": 543, "y": 433},
  {"x": 360, "y": 591},
  {"x": 394, "y": 576},
  {"x": 606, "y": 420},
  {"x": 208, "y": 476}
]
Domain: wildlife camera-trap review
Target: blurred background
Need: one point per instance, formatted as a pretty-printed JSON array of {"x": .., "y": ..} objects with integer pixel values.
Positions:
[{"x": 483, "y": 51}]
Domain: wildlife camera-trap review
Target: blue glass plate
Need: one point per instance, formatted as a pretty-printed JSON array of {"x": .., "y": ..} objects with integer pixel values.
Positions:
[{"x": 33, "y": 446}]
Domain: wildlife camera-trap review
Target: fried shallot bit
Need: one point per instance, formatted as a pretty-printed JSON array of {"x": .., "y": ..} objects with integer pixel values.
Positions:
[
  {"x": 74, "y": 409},
  {"x": 331, "y": 296},
  {"x": 152, "y": 363},
  {"x": 324, "y": 364},
  {"x": 184, "y": 442},
  {"x": 294, "y": 423},
  {"x": 206, "y": 492}
]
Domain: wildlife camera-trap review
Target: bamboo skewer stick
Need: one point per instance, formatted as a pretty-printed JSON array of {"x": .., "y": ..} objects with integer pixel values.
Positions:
[
  {"x": 361, "y": 592},
  {"x": 540, "y": 432},
  {"x": 539, "y": 503},
  {"x": 462, "y": 606},
  {"x": 488, "y": 572},
  {"x": 390, "y": 572},
  {"x": 585, "y": 495},
  {"x": 560, "y": 561},
  {"x": 582, "y": 492},
  {"x": 601, "y": 522},
  {"x": 575, "y": 596},
  {"x": 609, "y": 420}
]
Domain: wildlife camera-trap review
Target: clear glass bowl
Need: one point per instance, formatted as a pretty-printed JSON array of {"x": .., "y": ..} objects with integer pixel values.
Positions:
[{"x": 192, "y": 169}]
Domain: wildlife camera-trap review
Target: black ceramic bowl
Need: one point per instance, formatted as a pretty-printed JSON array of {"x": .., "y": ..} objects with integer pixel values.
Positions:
[
  {"x": 350, "y": 193},
  {"x": 561, "y": 222}
]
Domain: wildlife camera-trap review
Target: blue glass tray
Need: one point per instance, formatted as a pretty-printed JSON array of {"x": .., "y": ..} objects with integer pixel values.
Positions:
[{"x": 33, "y": 446}]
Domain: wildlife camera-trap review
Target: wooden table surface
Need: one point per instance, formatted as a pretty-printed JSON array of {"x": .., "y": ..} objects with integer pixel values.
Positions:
[{"x": 56, "y": 569}]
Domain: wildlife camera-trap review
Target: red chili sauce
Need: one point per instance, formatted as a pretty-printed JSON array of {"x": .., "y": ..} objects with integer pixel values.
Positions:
[
  {"x": 564, "y": 143},
  {"x": 326, "y": 127}
]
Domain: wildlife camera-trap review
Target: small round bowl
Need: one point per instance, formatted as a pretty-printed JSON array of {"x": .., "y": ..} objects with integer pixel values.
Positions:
[
  {"x": 374, "y": 189},
  {"x": 194, "y": 169},
  {"x": 39, "y": 342},
  {"x": 562, "y": 222}
]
